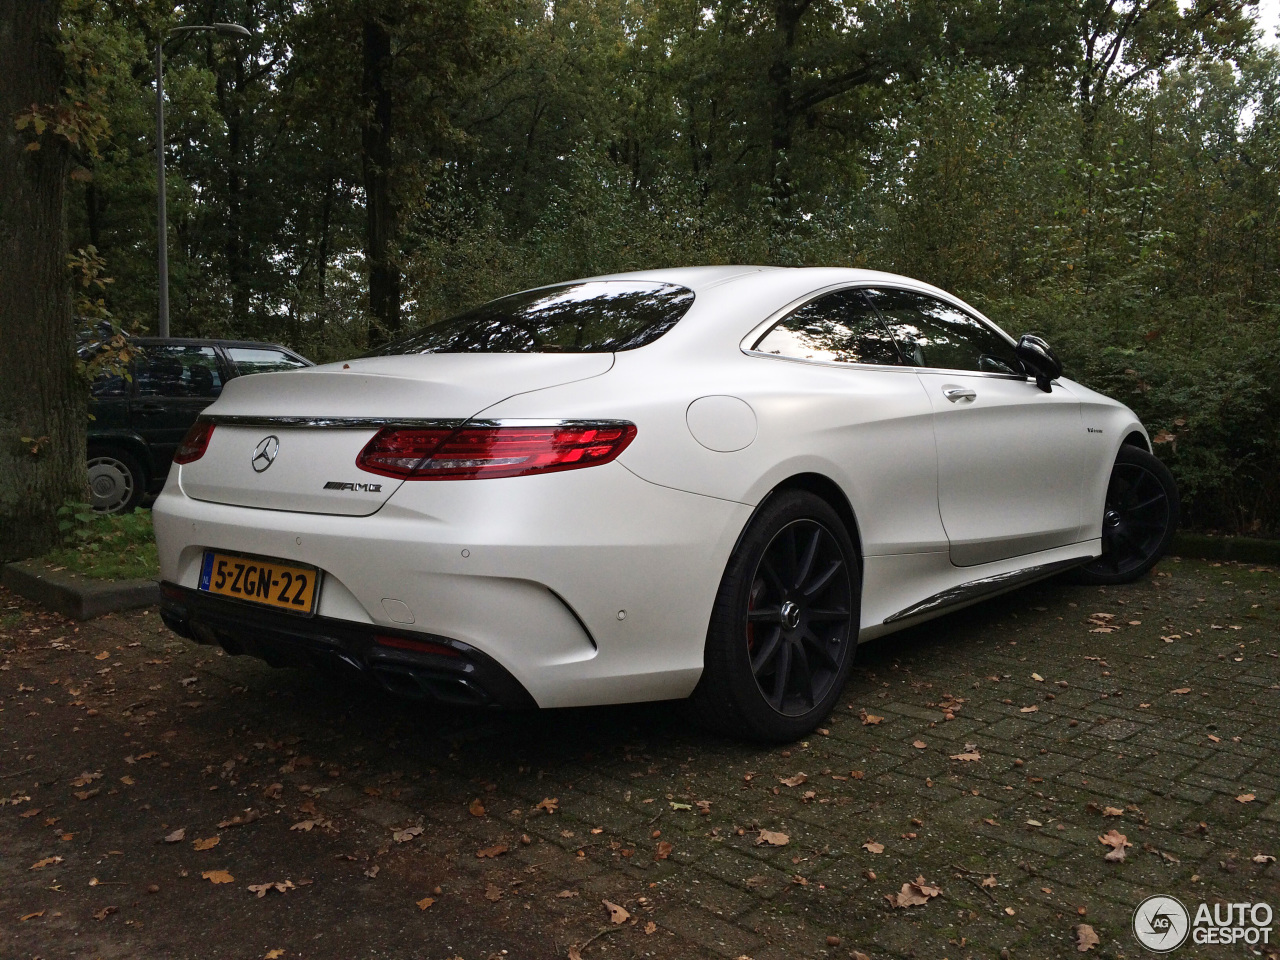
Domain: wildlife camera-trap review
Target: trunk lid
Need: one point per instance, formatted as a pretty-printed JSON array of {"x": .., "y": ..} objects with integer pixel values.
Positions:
[{"x": 289, "y": 441}]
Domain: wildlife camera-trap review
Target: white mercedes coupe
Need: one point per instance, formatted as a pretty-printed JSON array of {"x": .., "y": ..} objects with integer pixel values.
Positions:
[{"x": 710, "y": 483}]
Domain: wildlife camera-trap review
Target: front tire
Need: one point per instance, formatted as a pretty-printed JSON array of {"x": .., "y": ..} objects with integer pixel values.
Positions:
[
  {"x": 1140, "y": 517},
  {"x": 784, "y": 627},
  {"x": 116, "y": 481}
]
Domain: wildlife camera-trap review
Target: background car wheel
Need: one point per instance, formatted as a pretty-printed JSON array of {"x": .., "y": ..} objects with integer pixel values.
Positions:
[
  {"x": 785, "y": 623},
  {"x": 1139, "y": 519},
  {"x": 116, "y": 481}
]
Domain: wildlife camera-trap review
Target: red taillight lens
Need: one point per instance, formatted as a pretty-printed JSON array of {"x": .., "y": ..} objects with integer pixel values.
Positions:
[
  {"x": 417, "y": 646},
  {"x": 195, "y": 443},
  {"x": 476, "y": 453}
]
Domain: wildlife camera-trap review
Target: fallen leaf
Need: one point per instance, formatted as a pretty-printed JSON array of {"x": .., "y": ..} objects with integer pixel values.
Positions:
[
  {"x": 217, "y": 876},
  {"x": 772, "y": 839},
  {"x": 1263, "y": 858},
  {"x": 30, "y": 916},
  {"x": 616, "y": 913},
  {"x": 685, "y": 806},
  {"x": 304, "y": 825},
  {"x": 566, "y": 894},
  {"x": 47, "y": 861},
  {"x": 989, "y": 881},
  {"x": 650, "y": 927},
  {"x": 1031, "y": 709},
  {"x": 1034, "y": 823},
  {"x": 103, "y": 655},
  {"x": 1112, "y": 812},
  {"x": 425, "y": 902},
  {"x": 30, "y": 813},
  {"x": 1086, "y": 939},
  {"x": 273, "y": 955},
  {"x": 492, "y": 892},
  {"x": 870, "y": 719},
  {"x": 795, "y": 781},
  {"x": 1181, "y": 690},
  {"x": 86, "y": 778},
  {"x": 177, "y": 836},
  {"x": 872, "y": 847},
  {"x": 248, "y": 817},
  {"x": 207, "y": 844},
  {"x": 405, "y": 835},
  {"x": 913, "y": 894},
  {"x": 261, "y": 889},
  {"x": 86, "y": 794},
  {"x": 476, "y": 808},
  {"x": 549, "y": 804},
  {"x": 497, "y": 850},
  {"x": 968, "y": 757},
  {"x": 919, "y": 744},
  {"x": 1010, "y": 911},
  {"x": 664, "y": 850},
  {"x": 1117, "y": 842},
  {"x": 1246, "y": 798},
  {"x": 1037, "y": 678},
  {"x": 1215, "y": 739},
  {"x": 104, "y": 913},
  {"x": 372, "y": 871}
]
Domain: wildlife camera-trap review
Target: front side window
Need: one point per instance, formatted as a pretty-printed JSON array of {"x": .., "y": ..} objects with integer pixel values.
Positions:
[
  {"x": 171, "y": 370},
  {"x": 840, "y": 327},
  {"x": 261, "y": 360},
  {"x": 933, "y": 333},
  {"x": 595, "y": 317}
]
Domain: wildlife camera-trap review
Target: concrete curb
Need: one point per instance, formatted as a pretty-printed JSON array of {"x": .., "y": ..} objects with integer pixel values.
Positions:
[
  {"x": 1243, "y": 549},
  {"x": 75, "y": 596}
]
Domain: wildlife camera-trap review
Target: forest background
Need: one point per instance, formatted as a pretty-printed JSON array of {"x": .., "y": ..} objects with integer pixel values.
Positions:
[{"x": 1105, "y": 173}]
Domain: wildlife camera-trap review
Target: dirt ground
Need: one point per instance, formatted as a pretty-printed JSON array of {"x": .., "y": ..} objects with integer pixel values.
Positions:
[{"x": 160, "y": 799}]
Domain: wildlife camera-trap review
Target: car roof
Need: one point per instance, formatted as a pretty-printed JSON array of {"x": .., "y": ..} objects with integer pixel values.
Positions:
[{"x": 208, "y": 342}]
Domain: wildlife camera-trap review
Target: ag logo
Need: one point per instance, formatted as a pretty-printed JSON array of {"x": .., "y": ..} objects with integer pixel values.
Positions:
[
  {"x": 265, "y": 453},
  {"x": 1161, "y": 923}
]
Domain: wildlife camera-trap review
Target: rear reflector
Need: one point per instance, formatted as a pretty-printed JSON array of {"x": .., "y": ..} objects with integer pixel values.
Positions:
[
  {"x": 476, "y": 453},
  {"x": 417, "y": 646},
  {"x": 195, "y": 443}
]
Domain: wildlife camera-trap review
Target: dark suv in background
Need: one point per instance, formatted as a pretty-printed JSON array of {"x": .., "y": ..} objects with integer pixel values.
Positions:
[{"x": 138, "y": 421}]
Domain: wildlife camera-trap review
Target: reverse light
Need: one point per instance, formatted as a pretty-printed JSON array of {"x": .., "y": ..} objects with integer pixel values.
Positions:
[
  {"x": 486, "y": 452},
  {"x": 195, "y": 443}
]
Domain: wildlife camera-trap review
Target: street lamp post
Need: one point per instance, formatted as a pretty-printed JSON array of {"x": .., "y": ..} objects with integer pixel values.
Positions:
[{"x": 162, "y": 218}]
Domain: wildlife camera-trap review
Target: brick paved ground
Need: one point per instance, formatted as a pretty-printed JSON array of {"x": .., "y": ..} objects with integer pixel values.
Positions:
[{"x": 1172, "y": 720}]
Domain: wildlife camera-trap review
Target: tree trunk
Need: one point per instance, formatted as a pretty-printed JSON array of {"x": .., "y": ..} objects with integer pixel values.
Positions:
[
  {"x": 782, "y": 110},
  {"x": 42, "y": 402},
  {"x": 381, "y": 214}
]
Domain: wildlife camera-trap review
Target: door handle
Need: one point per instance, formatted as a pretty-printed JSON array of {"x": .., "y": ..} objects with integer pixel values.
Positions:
[{"x": 955, "y": 394}]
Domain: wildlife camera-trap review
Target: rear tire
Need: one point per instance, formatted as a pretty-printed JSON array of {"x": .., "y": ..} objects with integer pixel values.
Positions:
[
  {"x": 784, "y": 627},
  {"x": 1140, "y": 517},
  {"x": 117, "y": 481}
]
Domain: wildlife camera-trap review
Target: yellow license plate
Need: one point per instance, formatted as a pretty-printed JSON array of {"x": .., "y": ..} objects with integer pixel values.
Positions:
[{"x": 272, "y": 583}]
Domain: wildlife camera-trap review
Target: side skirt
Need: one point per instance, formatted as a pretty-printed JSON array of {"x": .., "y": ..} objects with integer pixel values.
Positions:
[{"x": 986, "y": 586}]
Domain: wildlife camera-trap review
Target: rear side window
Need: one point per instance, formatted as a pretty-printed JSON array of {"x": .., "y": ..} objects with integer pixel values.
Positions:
[
  {"x": 838, "y": 328},
  {"x": 596, "y": 317},
  {"x": 261, "y": 360},
  {"x": 178, "y": 371},
  {"x": 933, "y": 333}
]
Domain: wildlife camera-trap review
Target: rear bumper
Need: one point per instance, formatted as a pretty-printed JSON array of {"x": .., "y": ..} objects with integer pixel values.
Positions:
[{"x": 462, "y": 675}]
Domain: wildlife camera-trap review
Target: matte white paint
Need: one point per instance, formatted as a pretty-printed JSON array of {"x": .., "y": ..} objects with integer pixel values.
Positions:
[{"x": 534, "y": 571}]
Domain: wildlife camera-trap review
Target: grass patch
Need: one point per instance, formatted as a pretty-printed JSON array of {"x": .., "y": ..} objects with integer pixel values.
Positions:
[{"x": 116, "y": 547}]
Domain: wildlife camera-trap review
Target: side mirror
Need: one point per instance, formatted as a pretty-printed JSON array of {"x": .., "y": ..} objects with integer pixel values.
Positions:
[{"x": 1038, "y": 360}]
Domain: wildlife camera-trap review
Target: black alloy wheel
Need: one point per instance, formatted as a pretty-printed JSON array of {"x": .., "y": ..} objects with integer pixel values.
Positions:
[
  {"x": 785, "y": 624},
  {"x": 798, "y": 617},
  {"x": 1139, "y": 519}
]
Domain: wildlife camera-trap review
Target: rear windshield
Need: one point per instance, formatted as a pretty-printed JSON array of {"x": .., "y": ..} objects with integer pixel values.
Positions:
[{"x": 596, "y": 317}]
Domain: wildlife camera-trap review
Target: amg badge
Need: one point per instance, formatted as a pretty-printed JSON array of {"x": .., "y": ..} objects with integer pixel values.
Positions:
[{"x": 366, "y": 487}]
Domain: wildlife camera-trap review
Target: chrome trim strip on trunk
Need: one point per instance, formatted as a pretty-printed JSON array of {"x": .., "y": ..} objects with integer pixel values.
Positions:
[
  {"x": 976, "y": 589},
  {"x": 373, "y": 423}
]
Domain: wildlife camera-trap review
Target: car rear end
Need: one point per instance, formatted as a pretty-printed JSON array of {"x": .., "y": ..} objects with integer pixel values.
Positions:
[{"x": 367, "y": 517}]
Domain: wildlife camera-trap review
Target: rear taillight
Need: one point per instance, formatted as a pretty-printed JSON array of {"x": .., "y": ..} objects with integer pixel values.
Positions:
[
  {"x": 195, "y": 443},
  {"x": 477, "y": 453}
]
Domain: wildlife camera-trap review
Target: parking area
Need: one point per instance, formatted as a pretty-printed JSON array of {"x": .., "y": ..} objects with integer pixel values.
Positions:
[{"x": 164, "y": 800}]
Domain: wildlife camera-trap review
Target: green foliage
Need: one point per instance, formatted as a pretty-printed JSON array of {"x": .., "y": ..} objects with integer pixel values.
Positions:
[
  {"x": 1119, "y": 196},
  {"x": 112, "y": 547}
]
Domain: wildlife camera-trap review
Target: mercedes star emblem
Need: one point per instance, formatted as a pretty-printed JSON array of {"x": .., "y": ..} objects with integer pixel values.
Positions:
[{"x": 264, "y": 454}]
